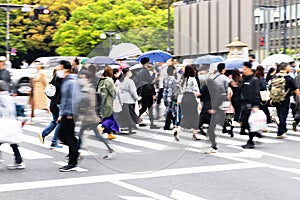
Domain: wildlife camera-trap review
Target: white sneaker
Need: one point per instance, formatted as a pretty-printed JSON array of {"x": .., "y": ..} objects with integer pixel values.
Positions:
[
  {"x": 100, "y": 129},
  {"x": 16, "y": 166},
  {"x": 210, "y": 151},
  {"x": 109, "y": 155}
]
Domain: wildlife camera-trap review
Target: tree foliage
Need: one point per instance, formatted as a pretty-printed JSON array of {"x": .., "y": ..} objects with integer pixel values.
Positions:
[
  {"x": 147, "y": 28},
  {"x": 74, "y": 26}
]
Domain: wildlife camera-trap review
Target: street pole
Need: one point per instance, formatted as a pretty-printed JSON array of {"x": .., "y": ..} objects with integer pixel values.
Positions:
[
  {"x": 169, "y": 27},
  {"x": 284, "y": 28},
  {"x": 7, "y": 31},
  {"x": 267, "y": 40}
]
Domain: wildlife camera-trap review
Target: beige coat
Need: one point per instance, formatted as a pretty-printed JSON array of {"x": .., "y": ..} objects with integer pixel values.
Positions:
[{"x": 38, "y": 99}]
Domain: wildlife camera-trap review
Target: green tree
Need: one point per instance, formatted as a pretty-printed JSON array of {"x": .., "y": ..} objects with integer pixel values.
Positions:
[{"x": 144, "y": 27}]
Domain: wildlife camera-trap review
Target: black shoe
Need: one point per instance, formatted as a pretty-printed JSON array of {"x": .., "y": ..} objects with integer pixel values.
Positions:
[
  {"x": 249, "y": 145},
  {"x": 154, "y": 127},
  {"x": 259, "y": 135},
  {"x": 68, "y": 168},
  {"x": 294, "y": 126},
  {"x": 243, "y": 132},
  {"x": 167, "y": 129},
  {"x": 230, "y": 132},
  {"x": 201, "y": 132},
  {"x": 176, "y": 136},
  {"x": 224, "y": 130},
  {"x": 142, "y": 125}
]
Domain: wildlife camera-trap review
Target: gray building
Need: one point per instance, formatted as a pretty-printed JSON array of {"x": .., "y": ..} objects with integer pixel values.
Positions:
[{"x": 206, "y": 26}]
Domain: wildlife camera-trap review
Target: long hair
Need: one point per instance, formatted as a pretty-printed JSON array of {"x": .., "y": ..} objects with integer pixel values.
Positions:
[
  {"x": 236, "y": 75},
  {"x": 259, "y": 72}
]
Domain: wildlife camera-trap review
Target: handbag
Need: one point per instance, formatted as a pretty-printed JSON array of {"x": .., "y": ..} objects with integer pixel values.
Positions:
[
  {"x": 265, "y": 95},
  {"x": 11, "y": 130},
  {"x": 117, "y": 107},
  {"x": 257, "y": 121},
  {"x": 50, "y": 90}
]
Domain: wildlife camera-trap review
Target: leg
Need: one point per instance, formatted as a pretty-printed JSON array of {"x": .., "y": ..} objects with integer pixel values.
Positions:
[
  {"x": 67, "y": 136},
  {"x": 99, "y": 136},
  {"x": 18, "y": 157}
]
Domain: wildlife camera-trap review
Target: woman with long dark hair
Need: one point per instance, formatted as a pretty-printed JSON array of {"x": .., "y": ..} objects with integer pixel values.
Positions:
[
  {"x": 189, "y": 103},
  {"x": 260, "y": 74},
  {"x": 235, "y": 96}
]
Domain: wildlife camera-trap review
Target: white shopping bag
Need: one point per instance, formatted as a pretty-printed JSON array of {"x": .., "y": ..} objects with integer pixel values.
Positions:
[{"x": 257, "y": 121}]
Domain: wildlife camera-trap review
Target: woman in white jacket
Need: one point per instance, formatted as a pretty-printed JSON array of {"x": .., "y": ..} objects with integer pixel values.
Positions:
[
  {"x": 7, "y": 107},
  {"x": 127, "y": 117}
]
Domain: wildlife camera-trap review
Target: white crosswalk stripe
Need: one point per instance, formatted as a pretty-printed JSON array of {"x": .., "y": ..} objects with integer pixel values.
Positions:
[{"x": 145, "y": 140}]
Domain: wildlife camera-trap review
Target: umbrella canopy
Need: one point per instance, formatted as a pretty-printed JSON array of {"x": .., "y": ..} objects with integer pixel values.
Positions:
[
  {"x": 232, "y": 64},
  {"x": 101, "y": 60},
  {"x": 208, "y": 59},
  {"x": 276, "y": 58},
  {"x": 124, "y": 50},
  {"x": 156, "y": 56}
]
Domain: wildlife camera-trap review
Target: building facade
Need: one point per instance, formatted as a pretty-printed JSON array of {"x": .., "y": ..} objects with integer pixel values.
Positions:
[{"x": 206, "y": 26}]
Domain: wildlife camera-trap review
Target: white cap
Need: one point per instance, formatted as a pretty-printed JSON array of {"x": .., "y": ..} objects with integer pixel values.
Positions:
[{"x": 2, "y": 58}]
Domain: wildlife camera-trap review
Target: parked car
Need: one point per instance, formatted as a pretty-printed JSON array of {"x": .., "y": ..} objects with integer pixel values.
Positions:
[{"x": 21, "y": 77}]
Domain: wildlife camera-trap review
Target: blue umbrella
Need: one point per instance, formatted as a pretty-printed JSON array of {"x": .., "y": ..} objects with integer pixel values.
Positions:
[
  {"x": 156, "y": 56},
  {"x": 232, "y": 64},
  {"x": 102, "y": 60},
  {"x": 208, "y": 59}
]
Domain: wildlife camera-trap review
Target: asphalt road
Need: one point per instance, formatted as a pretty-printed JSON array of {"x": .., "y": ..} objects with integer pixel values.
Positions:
[{"x": 152, "y": 165}]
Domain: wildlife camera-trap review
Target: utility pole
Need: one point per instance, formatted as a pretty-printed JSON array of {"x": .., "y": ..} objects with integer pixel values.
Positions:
[
  {"x": 285, "y": 27},
  {"x": 169, "y": 26}
]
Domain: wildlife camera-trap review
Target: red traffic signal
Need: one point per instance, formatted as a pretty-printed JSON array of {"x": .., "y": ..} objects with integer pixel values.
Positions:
[
  {"x": 41, "y": 10},
  {"x": 262, "y": 41}
]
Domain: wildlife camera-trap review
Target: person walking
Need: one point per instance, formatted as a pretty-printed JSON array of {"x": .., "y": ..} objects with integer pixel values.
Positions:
[
  {"x": 7, "y": 107},
  {"x": 106, "y": 87},
  {"x": 260, "y": 74},
  {"x": 89, "y": 118},
  {"x": 54, "y": 108},
  {"x": 250, "y": 88},
  {"x": 235, "y": 97},
  {"x": 205, "y": 116},
  {"x": 38, "y": 99},
  {"x": 218, "y": 86},
  {"x": 170, "y": 86},
  {"x": 189, "y": 103},
  {"x": 280, "y": 96},
  {"x": 146, "y": 89},
  {"x": 127, "y": 117},
  {"x": 68, "y": 111},
  {"x": 6, "y": 77}
]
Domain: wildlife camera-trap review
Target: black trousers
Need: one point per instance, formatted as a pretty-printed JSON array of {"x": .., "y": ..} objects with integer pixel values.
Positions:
[
  {"x": 67, "y": 136},
  {"x": 147, "y": 102},
  {"x": 245, "y": 114},
  {"x": 18, "y": 157}
]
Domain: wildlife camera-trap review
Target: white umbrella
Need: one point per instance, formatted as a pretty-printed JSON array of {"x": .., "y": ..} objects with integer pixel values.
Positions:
[
  {"x": 124, "y": 50},
  {"x": 276, "y": 58}
]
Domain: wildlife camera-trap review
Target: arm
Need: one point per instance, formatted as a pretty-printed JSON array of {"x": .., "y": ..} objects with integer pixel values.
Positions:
[{"x": 132, "y": 89}]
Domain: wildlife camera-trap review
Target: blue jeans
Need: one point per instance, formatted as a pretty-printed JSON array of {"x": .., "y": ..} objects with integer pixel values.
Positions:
[
  {"x": 282, "y": 112},
  {"x": 51, "y": 127}
]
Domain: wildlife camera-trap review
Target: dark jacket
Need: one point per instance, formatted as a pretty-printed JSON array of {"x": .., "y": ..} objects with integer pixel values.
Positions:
[
  {"x": 55, "y": 100},
  {"x": 250, "y": 90}
]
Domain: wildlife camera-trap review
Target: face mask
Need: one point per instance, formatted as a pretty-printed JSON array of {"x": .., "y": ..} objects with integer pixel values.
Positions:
[
  {"x": 60, "y": 74},
  {"x": 203, "y": 77}
]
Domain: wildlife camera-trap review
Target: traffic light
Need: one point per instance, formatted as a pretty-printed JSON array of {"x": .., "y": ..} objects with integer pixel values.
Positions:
[
  {"x": 262, "y": 41},
  {"x": 41, "y": 10}
]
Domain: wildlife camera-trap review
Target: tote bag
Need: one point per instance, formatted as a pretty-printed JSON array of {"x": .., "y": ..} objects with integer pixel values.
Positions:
[{"x": 11, "y": 130}]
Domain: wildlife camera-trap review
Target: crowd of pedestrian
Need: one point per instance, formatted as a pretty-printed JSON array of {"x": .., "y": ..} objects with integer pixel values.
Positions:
[{"x": 192, "y": 97}]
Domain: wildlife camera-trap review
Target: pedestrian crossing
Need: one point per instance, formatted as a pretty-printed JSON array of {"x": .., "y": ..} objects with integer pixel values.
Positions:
[{"x": 145, "y": 141}]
